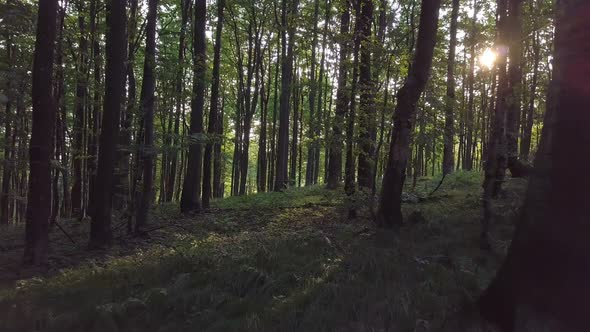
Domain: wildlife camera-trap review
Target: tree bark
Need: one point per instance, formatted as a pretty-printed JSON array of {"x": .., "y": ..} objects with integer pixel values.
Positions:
[
  {"x": 287, "y": 29},
  {"x": 389, "y": 213},
  {"x": 539, "y": 286},
  {"x": 39, "y": 196},
  {"x": 100, "y": 230},
  {"x": 191, "y": 189},
  {"x": 213, "y": 127},
  {"x": 147, "y": 102}
]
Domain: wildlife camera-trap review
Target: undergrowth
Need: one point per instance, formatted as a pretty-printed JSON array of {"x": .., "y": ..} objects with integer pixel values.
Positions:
[{"x": 289, "y": 261}]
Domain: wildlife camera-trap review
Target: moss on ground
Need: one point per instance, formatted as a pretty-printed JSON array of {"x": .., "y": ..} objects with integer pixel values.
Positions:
[{"x": 288, "y": 261}]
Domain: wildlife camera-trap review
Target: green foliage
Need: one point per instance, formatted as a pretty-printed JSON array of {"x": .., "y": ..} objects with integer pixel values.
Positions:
[{"x": 288, "y": 261}]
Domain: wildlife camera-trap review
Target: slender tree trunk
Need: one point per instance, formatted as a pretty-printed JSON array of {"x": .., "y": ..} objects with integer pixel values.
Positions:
[
  {"x": 449, "y": 134},
  {"x": 294, "y": 133},
  {"x": 342, "y": 100},
  {"x": 191, "y": 189},
  {"x": 213, "y": 127},
  {"x": 147, "y": 102},
  {"x": 389, "y": 213},
  {"x": 539, "y": 286},
  {"x": 39, "y": 196},
  {"x": 272, "y": 163},
  {"x": 311, "y": 150},
  {"x": 287, "y": 29},
  {"x": 100, "y": 230}
]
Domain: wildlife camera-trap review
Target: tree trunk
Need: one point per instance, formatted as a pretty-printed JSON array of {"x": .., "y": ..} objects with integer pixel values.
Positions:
[
  {"x": 311, "y": 149},
  {"x": 367, "y": 121},
  {"x": 342, "y": 100},
  {"x": 100, "y": 230},
  {"x": 287, "y": 29},
  {"x": 540, "y": 285},
  {"x": 389, "y": 213},
  {"x": 147, "y": 102},
  {"x": 39, "y": 196},
  {"x": 191, "y": 189},
  {"x": 213, "y": 127},
  {"x": 449, "y": 133}
]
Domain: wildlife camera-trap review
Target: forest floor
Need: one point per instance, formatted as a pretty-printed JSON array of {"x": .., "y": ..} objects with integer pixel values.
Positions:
[{"x": 288, "y": 261}]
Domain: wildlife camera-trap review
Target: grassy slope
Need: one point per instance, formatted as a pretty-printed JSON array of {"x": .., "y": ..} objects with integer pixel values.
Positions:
[{"x": 278, "y": 262}]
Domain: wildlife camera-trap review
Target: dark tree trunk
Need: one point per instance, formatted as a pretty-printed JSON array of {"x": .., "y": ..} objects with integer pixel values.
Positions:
[
  {"x": 342, "y": 100},
  {"x": 147, "y": 102},
  {"x": 39, "y": 195},
  {"x": 540, "y": 286},
  {"x": 213, "y": 127},
  {"x": 191, "y": 189},
  {"x": 114, "y": 98},
  {"x": 366, "y": 120},
  {"x": 449, "y": 134},
  {"x": 389, "y": 213},
  {"x": 281, "y": 176}
]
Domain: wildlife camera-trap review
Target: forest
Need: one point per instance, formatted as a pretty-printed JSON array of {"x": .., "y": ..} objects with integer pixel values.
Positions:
[{"x": 294, "y": 165}]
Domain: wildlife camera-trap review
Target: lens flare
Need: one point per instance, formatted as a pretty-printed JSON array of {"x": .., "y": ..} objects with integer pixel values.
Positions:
[{"x": 488, "y": 58}]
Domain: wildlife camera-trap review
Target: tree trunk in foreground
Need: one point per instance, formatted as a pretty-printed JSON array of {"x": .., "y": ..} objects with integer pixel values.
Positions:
[
  {"x": 542, "y": 284},
  {"x": 116, "y": 45},
  {"x": 39, "y": 198},
  {"x": 191, "y": 189},
  {"x": 389, "y": 213}
]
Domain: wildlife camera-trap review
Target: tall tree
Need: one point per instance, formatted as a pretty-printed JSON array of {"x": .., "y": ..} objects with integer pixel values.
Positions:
[
  {"x": 366, "y": 121},
  {"x": 40, "y": 150},
  {"x": 116, "y": 52},
  {"x": 214, "y": 116},
  {"x": 540, "y": 284},
  {"x": 287, "y": 44},
  {"x": 79, "y": 115},
  {"x": 389, "y": 213},
  {"x": 335, "y": 157},
  {"x": 147, "y": 104},
  {"x": 191, "y": 189},
  {"x": 449, "y": 135}
]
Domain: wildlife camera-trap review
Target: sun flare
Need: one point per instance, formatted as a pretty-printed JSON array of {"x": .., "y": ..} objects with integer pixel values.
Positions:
[{"x": 488, "y": 58}]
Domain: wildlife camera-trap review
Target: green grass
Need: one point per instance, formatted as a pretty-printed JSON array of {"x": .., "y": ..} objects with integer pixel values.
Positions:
[{"x": 287, "y": 261}]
